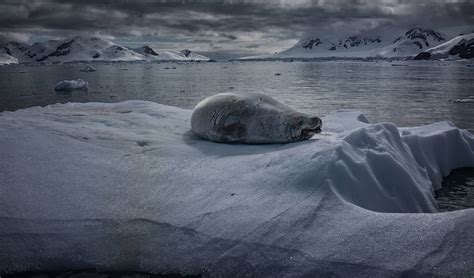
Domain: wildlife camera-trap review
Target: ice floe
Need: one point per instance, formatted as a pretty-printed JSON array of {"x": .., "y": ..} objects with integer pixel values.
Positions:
[
  {"x": 69, "y": 85},
  {"x": 470, "y": 99},
  {"x": 127, "y": 186}
]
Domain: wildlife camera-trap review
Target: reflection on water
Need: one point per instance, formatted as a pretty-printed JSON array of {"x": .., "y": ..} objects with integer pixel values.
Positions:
[{"x": 458, "y": 190}]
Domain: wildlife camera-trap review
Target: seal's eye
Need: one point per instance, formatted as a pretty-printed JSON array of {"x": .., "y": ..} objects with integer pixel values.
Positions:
[{"x": 260, "y": 99}]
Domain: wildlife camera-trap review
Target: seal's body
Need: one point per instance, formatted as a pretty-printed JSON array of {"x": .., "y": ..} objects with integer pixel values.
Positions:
[{"x": 251, "y": 118}]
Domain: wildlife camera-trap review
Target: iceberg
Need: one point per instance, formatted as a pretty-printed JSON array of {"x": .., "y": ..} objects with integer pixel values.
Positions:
[
  {"x": 127, "y": 186},
  {"x": 69, "y": 85}
]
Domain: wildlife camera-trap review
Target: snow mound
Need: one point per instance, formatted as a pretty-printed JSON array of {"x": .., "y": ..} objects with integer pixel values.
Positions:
[
  {"x": 68, "y": 85},
  {"x": 128, "y": 186}
]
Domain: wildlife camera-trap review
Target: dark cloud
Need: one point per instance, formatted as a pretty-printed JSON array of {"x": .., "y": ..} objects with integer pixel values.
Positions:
[{"x": 221, "y": 24}]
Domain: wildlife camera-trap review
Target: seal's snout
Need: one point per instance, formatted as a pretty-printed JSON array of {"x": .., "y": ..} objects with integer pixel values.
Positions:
[
  {"x": 317, "y": 123},
  {"x": 312, "y": 126}
]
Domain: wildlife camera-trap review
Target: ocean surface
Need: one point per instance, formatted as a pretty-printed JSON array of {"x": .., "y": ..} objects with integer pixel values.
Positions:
[{"x": 407, "y": 93}]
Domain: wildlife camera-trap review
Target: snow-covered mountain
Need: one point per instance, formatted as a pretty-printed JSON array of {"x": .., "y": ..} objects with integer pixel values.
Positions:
[
  {"x": 369, "y": 44},
  {"x": 79, "y": 48},
  {"x": 460, "y": 47},
  {"x": 184, "y": 55},
  {"x": 351, "y": 46},
  {"x": 412, "y": 42},
  {"x": 17, "y": 50},
  {"x": 87, "y": 48},
  {"x": 6, "y": 59}
]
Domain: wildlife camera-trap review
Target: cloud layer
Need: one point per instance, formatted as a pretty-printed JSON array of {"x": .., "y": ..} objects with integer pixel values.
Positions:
[{"x": 229, "y": 25}]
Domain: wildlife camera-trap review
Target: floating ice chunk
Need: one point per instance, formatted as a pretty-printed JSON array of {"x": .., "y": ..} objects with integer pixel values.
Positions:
[
  {"x": 465, "y": 100},
  {"x": 88, "y": 68},
  {"x": 68, "y": 85}
]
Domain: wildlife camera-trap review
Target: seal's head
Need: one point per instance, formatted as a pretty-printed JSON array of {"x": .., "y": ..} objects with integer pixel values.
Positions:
[
  {"x": 305, "y": 127},
  {"x": 251, "y": 118}
]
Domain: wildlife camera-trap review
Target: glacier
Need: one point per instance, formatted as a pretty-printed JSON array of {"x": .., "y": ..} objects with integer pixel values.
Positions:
[{"x": 127, "y": 186}]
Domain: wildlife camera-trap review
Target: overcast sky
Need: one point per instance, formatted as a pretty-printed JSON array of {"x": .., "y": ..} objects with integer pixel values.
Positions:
[{"x": 247, "y": 26}]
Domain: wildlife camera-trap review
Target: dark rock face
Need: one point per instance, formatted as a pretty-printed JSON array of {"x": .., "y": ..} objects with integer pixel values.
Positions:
[
  {"x": 465, "y": 49},
  {"x": 423, "y": 56},
  {"x": 6, "y": 50},
  {"x": 420, "y": 37},
  {"x": 149, "y": 50},
  {"x": 61, "y": 50},
  {"x": 352, "y": 41},
  {"x": 418, "y": 44},
  {"x": 312, "y": 43},
  {"x": 419, "y": 33},
  {"x": 356, "y": 41}
]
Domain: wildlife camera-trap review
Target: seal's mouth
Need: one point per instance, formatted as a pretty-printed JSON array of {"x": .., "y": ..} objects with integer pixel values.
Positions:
[{"x": 308, "y": 132}]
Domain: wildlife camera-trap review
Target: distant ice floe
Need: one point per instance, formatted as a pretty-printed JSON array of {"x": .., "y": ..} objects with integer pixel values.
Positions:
[
  {"x": 464, "y": 100},
  {"x": 69, "y": 85},
  {"x": 128, "y": 186},
  {"x": 88, "y": 68}
]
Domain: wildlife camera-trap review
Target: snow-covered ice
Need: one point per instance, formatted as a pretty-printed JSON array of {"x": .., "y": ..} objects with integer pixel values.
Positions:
[
  {"x": 68, "y": 85},
  {"x": 127, "y": 186}
]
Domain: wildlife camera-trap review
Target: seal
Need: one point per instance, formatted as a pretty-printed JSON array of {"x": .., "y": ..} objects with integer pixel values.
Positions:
[{"x": 251, "y": 118}]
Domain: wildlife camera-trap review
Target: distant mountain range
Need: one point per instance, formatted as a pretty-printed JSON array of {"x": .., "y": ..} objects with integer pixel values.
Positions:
[
  {"x": 416, "y": 43},
  {"x": 406, "y": 45},
  {"x": 87, "y": 48}
]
